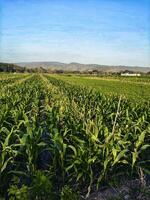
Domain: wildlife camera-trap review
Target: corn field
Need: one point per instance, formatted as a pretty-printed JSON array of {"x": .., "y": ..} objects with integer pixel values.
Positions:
[{"x": 62, "y": 141}]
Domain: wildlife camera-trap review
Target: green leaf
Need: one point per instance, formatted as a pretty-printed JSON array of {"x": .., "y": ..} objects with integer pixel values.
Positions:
[
  {"x": 134, "y": 158},
  {"x": 119, "y": 156}
]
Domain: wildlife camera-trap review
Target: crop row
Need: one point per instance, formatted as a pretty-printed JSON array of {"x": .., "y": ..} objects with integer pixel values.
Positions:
[{"x": 57, "y": 139}]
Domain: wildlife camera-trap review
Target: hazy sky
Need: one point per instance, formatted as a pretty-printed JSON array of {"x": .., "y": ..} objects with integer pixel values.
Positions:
[{"x": 114, "y": 32}]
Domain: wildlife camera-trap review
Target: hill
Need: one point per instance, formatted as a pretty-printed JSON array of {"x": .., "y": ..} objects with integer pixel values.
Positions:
[
  {"x": 71, "y": 67},
  {"x": 82, "y": 67},
  {"x": 9, "y": 67}
]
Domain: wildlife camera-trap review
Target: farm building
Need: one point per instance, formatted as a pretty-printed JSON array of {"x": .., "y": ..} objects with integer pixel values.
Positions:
[{"x": 130, "y": 74}]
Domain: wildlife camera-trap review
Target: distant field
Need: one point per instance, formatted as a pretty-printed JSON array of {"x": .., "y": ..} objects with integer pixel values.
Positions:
[{"x": 135, "y": 88}]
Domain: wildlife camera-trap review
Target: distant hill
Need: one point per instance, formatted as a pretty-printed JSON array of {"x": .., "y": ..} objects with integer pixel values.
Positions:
[
  {"x": 71, "y": 67},
  {"x": 9, "y": 67},
  {"x": 82, "y": 67}
]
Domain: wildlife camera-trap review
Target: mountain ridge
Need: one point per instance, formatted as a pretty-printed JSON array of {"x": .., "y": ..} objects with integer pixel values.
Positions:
[{"x": 74, "y": 66}]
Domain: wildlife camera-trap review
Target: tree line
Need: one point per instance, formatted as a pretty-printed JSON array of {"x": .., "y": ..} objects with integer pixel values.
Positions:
[{"x": 13, "y": 68}]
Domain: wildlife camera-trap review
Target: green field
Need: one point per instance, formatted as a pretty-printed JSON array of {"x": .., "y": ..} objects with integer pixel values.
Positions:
[
  {"x": 61, "y": 136},
  {"x": 134, "y": 88}
]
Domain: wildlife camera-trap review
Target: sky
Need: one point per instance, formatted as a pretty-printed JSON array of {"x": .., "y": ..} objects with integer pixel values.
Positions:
[{"x": 112, "y": 32}]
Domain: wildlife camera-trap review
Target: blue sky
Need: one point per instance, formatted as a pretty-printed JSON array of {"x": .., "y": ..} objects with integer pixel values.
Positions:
[{"x": 114, "y": 32}]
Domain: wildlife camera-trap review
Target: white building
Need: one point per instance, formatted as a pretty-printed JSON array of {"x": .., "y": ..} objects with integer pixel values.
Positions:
[{"x": 130, "y": 74}]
